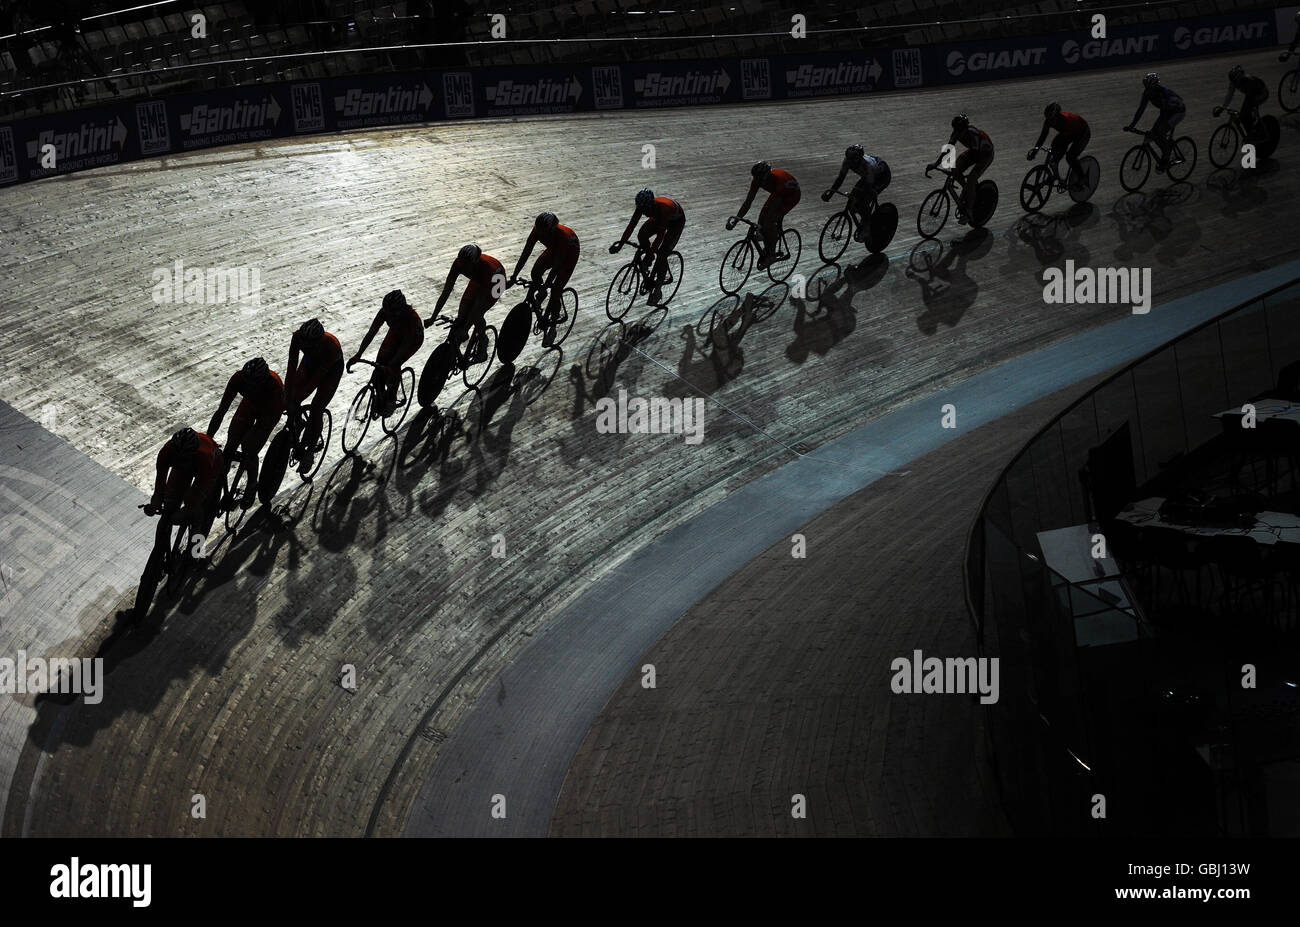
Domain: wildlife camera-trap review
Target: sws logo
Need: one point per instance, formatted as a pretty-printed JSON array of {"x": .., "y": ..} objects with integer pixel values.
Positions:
[
  {"x": 458, "y": 94},
  {"x": 1072, "y": 52},
  {"x": 88, "y": 139},
  {"x": 540, "y": 92},
  {"x": 959, "y": 63},
  {"x": 396, "y": 98},
  {"x": 8, "y": 157},
  {"x": 907, "y": 67},
  {"x": 692, "y": 83},
  {"x": 1185, "y": 38},
  {"x": 607, "y": 87},
  {"x": 846, "y": 73},
  {"x": 151, "y": 120},
  {"x": 308, "y": 111},
  {"x": 207, "y": 120},
  {"x": 755, "y": 79}
]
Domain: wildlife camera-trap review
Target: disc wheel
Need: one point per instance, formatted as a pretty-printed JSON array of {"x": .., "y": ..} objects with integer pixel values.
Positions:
[
  {"x": 933, "y": 214},
  {"x": 672, "y": 281},
  {"x": 835, "y": 237},
  {"x": 274, "y": 466},
  {"x": 791, "y": 246},
  {"x": 434, "y": 376},
  {"x": 737, "y": 264},
  {"x": 569, "y": 315},
  {"x": 1091, "y": 177},
  {"x": 1223, "y": 145},
  {"x": 515, "y": 331},
  {"x": 1036, "y": 188},
  {"x": 178, "y": 561},
  {"x": 1135, "y": 168},
  {"x": 881, "y": 227},
  {"x": 986, "y": 203}
]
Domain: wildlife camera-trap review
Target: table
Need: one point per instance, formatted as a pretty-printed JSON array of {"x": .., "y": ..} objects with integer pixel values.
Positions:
[{"x": 1270, "y": 527}]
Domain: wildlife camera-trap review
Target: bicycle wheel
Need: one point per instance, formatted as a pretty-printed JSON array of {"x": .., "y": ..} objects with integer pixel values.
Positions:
[
  {"x": 1288, "y": 91},
  {"x": 474, "y": 373},
  {"x": 623, "y": 291},
  {"x": 568, "y": 315},
  {"x": 357, "y": 423},
  {"x": 436, "y": 371},
  {"x": 1091, "y": 177},
  {"x": 405, "y": 390},
  {"x": 881, "y": 227},
  {"x": 835, "y": 237},
  {"x": 178, "y": 560},
  {"x": 515, "y": 331},
  {"x": 233, "y": 503},
  {"x": 1182, "y": 159},
  {"x": 737, "y": 264},
  {"x": 933, "y": 214},
  {"x": 1270, "y": 135},
  {"x": 1036, "y": 188},
  {"x": 672, "y": 281},
  {"x": 986, "y": 203},
  {"x": 274, "y": 466},
  {"x": 1135, "y": 168},
  {"x": 792, "y": 246},
  {"x": 1223, "y": 145},
  {"x": 322, "y": 443}
]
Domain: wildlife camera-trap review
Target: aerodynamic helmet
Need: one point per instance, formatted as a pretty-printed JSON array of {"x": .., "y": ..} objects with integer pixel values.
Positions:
[
  {"x": 394, "y": 299},
  {"x": 1052, "y": 110},
  {"x": 853, "y": 154},
  {"x": 645, "y": 199},
  {"x": 256, "y": 371},
  {"x": 960, "y": 122},
  {"x": 470, "y": 254},
  {"x": 1151, "y": 79},
  {"x": 1236, "y": 73},
  {"x": 761, "y": 170},
  {"x": 312, "y": 330},
  {"x": 185, "y": 441},
  {"x": 547, "y": 221}
]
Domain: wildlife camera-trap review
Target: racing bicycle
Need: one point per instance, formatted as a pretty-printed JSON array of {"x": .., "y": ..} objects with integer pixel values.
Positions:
[
  {"x": 936, "y": 206},
  {"x": 635, "y": 279},
  {"x": 1043, "y": 179},
  {"x": 843, "y": 227},
  {"x": 1227, "y": 140},
  {"x": 738, "y": 262},
  {"x": 1136, "y": 166}
]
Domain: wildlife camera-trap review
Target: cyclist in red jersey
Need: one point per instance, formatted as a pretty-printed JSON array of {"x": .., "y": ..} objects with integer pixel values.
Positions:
[
  {"x": 259, "y": 409},
  {"x": 560, "y": 258},
  {"x": 1072, "y": 137},
  {"x": 320, "y": 370},
  {"x": 783, "y": 196},
  {"x": 665, "y": 220},
  {"x": 971, "y": 163},
  {"x": 405, "y": 336},
  {"x": 487, "y": 281},
  {"x": 187, "y": 481}
]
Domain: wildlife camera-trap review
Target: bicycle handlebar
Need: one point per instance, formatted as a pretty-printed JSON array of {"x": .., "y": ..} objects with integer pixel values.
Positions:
[{"x": 739, "y": 219}]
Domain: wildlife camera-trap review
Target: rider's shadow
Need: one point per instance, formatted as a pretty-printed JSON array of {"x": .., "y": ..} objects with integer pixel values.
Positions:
[
  {"x": 1158, "y": 222},
  {"x": 824, "y": 316},
  {"x": 1051, "y": 236},
  {"x": 947, "y": 290},
  {"x": 1239, "y": 191}
]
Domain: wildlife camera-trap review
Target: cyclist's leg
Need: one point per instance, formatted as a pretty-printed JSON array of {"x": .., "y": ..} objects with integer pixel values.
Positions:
[
  {"x": 388, "y": 367},
  {"x": 964, "y": 161},
  {"x": 769, "y": 227},
  {"x": 1073, "y": 153},
  {"x": 667, "y": 242},
  {"x": 326, "y": 386},
  {"x": 649, "y": 231},
  {"x": 543, "y": 276},
  {"x": 859, "y": 205},
  {"x": 1055, "y": 152}
]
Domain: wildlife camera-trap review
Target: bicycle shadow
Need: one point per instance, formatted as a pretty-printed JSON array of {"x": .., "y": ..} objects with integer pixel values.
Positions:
[
  {"x": 1143, "y": 223},
  {"x": 947, "y": 289},
  {"x": 1239, "y": 190},
  {"x": 824, "y": 317},
  {"x": 1047, "y": 234}
]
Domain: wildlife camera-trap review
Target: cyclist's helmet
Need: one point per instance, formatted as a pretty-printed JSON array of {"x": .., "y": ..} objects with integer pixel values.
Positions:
[
  {"x": 853, "y": 154},
  {"x": 547, "y": 221},
  {"x": 312, "y": 330},
  {"x": 1236, "y": 73},
  {"x": 256, "y": 371},
  {"x": 761, "y": 170},
  {"x": 1151, "y": 79},
  {"x": 645, "y": 199},
  {"x": 185, "y": 441},
  {"x": 470, "y": 254},
  {"x": 960, "y": 122},
  {"x": 395, "y": 299},
  {"x": 1052, "y": 110}
]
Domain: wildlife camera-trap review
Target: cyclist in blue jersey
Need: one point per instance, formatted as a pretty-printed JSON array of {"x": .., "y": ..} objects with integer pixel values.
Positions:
[
  {"x": 1171, "y": 109},
  {"x": 1253, "y": 91},
  {"x": 873, "y": 178}
]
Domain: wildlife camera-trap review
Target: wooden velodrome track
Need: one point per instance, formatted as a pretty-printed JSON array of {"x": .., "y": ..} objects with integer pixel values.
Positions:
[{"x": 385, "y": 565}]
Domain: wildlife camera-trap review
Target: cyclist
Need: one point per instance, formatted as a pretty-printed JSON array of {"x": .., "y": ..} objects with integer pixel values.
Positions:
[
  {"x": 320, "y": 370},
  {"x": 1253, "y": 91},
  {"x": 873, "y": 178},
  {"x": 665, "y": 220},
  {"x": 1072, "y": 136},
  {"x": 186, "y": 490},
  {"x": 1295, "y": 40},
  {"x": 260, "y": 407},
  {"x": 487, "y": 281},
  {"x": 783, "y": 196},
  {"x": 1171, "y": 108},
  {"x": 559, "y": 257},
  {"x": 971, "y": 163},
  {"x": 404, "y": 337}
]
